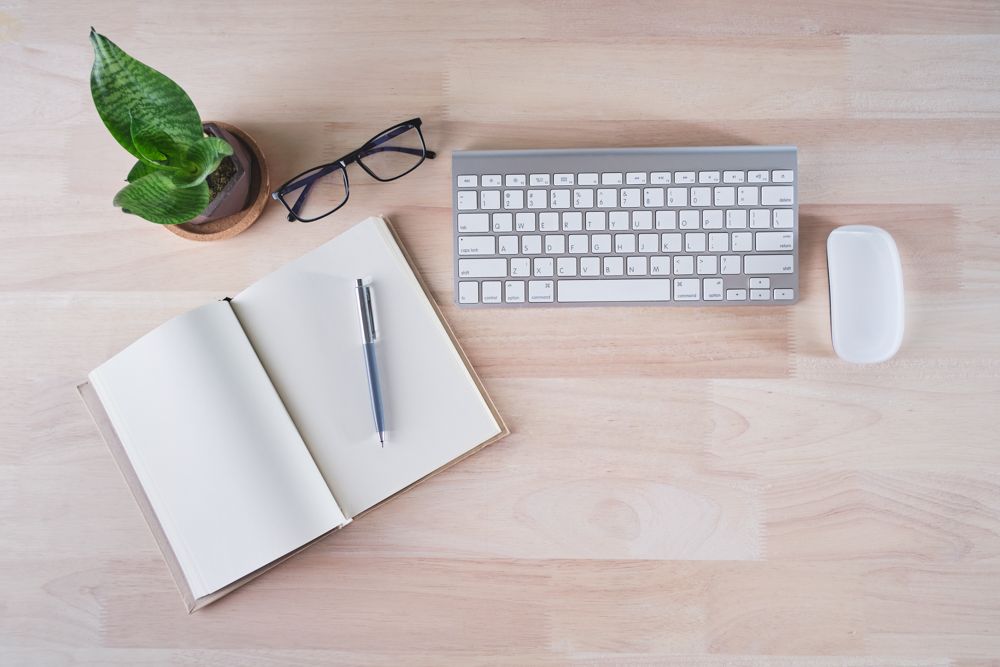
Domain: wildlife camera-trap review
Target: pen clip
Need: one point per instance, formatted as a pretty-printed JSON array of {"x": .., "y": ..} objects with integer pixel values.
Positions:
[{"x": 366, "y": 311}]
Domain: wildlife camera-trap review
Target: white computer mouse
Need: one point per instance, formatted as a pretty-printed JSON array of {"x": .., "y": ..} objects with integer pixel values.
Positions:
[{"x": 866, "y": 293}]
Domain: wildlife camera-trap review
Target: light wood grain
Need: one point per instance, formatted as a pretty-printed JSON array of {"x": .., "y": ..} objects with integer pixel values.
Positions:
[{"x": 683, "y": 486}]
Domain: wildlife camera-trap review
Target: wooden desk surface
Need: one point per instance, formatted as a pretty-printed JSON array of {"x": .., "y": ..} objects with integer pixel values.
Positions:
[{"x": 691, "y": 486}]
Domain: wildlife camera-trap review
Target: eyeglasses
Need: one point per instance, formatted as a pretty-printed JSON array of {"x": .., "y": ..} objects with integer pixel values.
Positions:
[{"x": 390, "y": 154}]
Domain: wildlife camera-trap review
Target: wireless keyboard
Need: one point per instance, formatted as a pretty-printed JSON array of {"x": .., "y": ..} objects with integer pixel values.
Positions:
[{"x": 677, "y": 226}]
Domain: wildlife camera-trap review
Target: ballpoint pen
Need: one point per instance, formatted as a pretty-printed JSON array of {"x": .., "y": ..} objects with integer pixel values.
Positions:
[{"x": 371, "y": 364}]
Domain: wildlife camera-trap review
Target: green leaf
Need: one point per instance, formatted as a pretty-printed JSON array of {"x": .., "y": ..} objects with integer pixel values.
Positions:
[
  {"x": 158, "y": 199},
  {"x": 139, "y": 170},
  {"x": 201, "y": 159},
  {"x": 123, "y": 88}
]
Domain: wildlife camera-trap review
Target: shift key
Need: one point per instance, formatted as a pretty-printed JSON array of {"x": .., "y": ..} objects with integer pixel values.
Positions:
[{"x": 766, "y": 264}]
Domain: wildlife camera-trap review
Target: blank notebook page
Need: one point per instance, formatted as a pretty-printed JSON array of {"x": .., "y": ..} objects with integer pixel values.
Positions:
[
  {"x": 226, "y": 472},
  {"x": 303, "y": 321}
]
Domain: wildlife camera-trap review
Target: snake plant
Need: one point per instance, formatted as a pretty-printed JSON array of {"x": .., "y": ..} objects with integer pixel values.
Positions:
[{"x": 154, "y": 120}]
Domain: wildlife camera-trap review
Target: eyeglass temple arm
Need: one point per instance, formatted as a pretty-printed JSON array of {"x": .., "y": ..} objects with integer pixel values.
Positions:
[
  {"x": 306, "y": 184},
  {"x": 399, "y": 149}
]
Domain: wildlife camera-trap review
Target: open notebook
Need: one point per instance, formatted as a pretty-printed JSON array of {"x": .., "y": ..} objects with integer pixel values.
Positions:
[{"x": 244, "y": 427}]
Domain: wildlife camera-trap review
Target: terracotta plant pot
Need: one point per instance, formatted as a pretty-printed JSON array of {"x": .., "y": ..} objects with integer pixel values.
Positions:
[{"x": 241, "y": 201}]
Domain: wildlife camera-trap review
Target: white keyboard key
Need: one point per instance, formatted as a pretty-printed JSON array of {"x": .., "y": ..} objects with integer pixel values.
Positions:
[
  {"x": 509, "y": 245},
  {"x": 708, "y": 265},
  {"x": 555, "y": 244},
  {"x": 684, "y": 177},
  {"x": 712, "y": 289},
  {"x": 489, "y": 200},
  {"x": 701, "y": 196},
  {"x": 503, "y": 222},
  {"x": 742, "y": 241},
  {"x": 564, "y": 179},
  {"x": 631, "y": 197},
  {"x": 583, "y": 198},
  {"x": 467, "y": 200},
  {"x": 760, "y": 283},
  {"x": 760, "y": 218},
  {"x": 659, "y": 266},
  {"x": 477, "y": 245},
  {"x": 590, "y": 266},
  {"x": 520, "y": 266},
  {"x": 782, "y": 176},
  {"x": 614, "y": 266},
  {"x": 683, "y": 265},
  {"x": 635, "y": 266},
  {"x": 566, "y": 266},
  {"x": 689, "y": 220},
  {"x": 670, "y": 242},
  {"x": 783, "y": 218},
  {"x": 660, "y": 178},
  {"x": 524, "y": 222},
  {"x": 491, "y": 291},
  {"x": 468, "y": 181},
  {"x": 677, "y": 196},
  {"x": 531, "y": 244},
  {"x": 694, "y": 242},
  {"x": 538, "y": 198},
  {"x": 733, "y": 177},
  {"x": 572, "y": 221},
  {"x": 711, "y": 219},
  {"x": 652, "y": 197},
  {"x": 725, "y": 196},
  {"x": 666, "y": 219},
  {"x": 548, "y": 222},
  {"x": 468, "y": 292},
  {"x": 539, "y": 179},
  {"x": 757, "y": 177},
  {"x": 618, "y": 221},
  {"x": 777, "y": 195},
  {"x": 515, "y": 180},
  {"x": 596, "y": 221},
  {"x": 649, "y": 242},
  {"x": 730, "y": 265},
  {"x": 540, "y": 291},
  {"x": 492, "y": 181},
  {"x": 718, "y": 242},
  {"x": 579, "y": 244},
  {"x": 783, "y": 294},
  {"x": 757, "y": 264},
  {"x": 736, "y": 295},
  {"x": 543, "y": 267},
  {"x": 708, "y": 177},
  {"x": 586, "y": 179},
  {"x": 736, "y": 219},
  {"x": 635, "y": 178},
  {"x": 482, "y": 268},
  {"x": 642, "y": 219},
  {"x": 760, "y": 295},
  {"x": 767, "y": 241},
  {"x": 514, "y": 291},
  {"x": 559, "y": 198},
  {"x": 583, "y": 291},
  {"x": 747, "y": 196},
  {"x": 624, "y": 243},
  {"x": 611, "y": 178},
  {"x": 687, "y": 289},
  {"x": 513, "y": 199},
  {"x": 474, "y": 222},
  {"x": 607, "y": 197}
]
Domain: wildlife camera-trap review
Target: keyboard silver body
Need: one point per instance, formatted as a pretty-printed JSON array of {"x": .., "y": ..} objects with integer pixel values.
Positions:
[{"x": 642, "y": 226}]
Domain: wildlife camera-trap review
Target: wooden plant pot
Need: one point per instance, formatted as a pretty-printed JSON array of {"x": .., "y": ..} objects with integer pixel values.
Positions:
[{"x": 259, "y": 192}]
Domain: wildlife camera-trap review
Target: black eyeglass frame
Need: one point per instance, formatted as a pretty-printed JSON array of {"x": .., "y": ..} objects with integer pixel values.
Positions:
[{"x": 370, "y": 147}]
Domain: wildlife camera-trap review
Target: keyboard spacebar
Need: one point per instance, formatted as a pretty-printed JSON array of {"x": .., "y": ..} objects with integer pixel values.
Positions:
[{"x": 613, "y": 290}]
